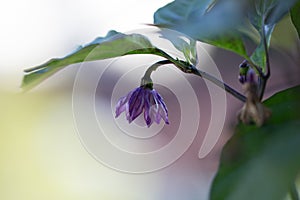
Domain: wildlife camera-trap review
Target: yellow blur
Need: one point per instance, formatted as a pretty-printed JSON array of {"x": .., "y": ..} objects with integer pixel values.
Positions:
[{"x": 41, "y": 156}]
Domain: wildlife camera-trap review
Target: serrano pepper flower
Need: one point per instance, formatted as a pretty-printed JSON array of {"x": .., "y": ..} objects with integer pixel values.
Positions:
[{"x": 143, "y": 99}]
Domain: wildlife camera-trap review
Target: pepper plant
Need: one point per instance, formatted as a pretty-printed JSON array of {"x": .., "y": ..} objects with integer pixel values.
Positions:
[{"x": 262, "y": 159}]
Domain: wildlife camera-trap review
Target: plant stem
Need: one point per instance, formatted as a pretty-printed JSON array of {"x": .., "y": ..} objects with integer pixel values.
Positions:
[
  {"x": 294, "y": 192},
  {"x": 147, "y": 76},
  {"x": 220, "y": 84},
  {"x": 264, "y": 77},
  {"x": 187, "y": 68}
]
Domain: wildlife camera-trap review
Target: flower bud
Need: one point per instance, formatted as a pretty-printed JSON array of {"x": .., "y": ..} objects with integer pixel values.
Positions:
[{"x": 243, "y": 69}]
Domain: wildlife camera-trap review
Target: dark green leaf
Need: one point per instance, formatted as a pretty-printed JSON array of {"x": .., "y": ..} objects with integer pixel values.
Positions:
[
  {"x": 262, "y": 163},
  {"x": 208, "y": 21},
  {"x": 264, "y": 14},
  {"x": 295, "y": 15},
  {"x": 113, "y": 45}
]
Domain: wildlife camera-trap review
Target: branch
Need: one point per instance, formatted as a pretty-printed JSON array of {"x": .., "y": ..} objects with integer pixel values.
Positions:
[
  {"x": 219, "y": 83},
  {"x": 187, "y": 68},
  {"x": 265, "y": 77},
  {"x": 147, "y": 76}
]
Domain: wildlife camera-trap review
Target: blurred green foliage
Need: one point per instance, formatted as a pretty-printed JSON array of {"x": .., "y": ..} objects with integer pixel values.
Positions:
[
  {"x": 262, "y": 163},
  {"x": 295, "y": 15}
]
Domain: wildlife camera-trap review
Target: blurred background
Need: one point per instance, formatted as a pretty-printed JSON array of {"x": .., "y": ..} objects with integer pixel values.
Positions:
[{"x": 41, "y": 156}]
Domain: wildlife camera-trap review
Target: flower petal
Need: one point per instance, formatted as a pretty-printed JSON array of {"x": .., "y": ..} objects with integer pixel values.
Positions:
[
  {"x": 147, "y": 108},
  {"x": 155, "y": 109},
  {"x": 136, "y": 104},
  {"x": 121, "y": 105},
  {"x": 163, "y": 111}
]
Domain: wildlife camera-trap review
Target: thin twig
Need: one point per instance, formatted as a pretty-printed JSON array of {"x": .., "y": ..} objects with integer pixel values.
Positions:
[
  {"x": 153, "y": 67},
  {"x": 265, "y": 77},
  {"x": 187, "y": 68},
  {"x": 220, "y": 84}
]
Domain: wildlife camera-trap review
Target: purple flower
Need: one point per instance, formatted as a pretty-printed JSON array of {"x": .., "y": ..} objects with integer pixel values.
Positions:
[{"x": 142, "y": 99}]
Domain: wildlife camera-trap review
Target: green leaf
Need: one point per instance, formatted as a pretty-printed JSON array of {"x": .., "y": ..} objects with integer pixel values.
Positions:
[
  {"x": 231, "y": 42},
  {"x": 208, "y": 21},
  {"x": 258, "y": 57},
  {"x": 113, "y": 45},
  {"x": 262, "y": 163},
  {"x": 183, "y": 43},
  {"x": 264, "y": 14},
  {"x": 295, "y": 16}
]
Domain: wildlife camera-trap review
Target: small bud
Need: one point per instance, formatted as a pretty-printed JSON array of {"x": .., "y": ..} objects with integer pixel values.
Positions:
[
  {"x": 244, "y": 64},
  {"x": 243, "y": 69},
  {"x": 242, "y": 79},
  {"x": 247, "y": 75}
]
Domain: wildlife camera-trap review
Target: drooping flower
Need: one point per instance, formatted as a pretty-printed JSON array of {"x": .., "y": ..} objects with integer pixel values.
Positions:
[{"x": 143, "y": 98}]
